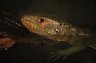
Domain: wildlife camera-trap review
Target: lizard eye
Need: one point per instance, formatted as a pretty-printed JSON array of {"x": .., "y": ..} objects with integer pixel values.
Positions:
[{"x": 42, "y": 20}]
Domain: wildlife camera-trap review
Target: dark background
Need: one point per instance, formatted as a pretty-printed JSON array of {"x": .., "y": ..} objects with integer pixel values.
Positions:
[{"x": 78, "y": 12}]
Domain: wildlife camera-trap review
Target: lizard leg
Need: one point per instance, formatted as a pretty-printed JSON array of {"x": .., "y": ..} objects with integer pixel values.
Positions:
[{"x": 66, "y": 52}]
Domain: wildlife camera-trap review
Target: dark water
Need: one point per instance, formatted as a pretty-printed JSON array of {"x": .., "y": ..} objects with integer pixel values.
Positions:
[
  {"x": 78, "y": 12},
  {"x": 21, "y": 53}
]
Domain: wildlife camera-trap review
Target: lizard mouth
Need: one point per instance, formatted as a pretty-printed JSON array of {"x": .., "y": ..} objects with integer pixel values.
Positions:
[{"x": 28, "y": 24}]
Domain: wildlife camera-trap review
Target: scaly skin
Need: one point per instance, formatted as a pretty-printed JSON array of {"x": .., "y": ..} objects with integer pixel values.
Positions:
[
  {"x": 60, "y": 31},
  {"x": 56, "y": 30}
]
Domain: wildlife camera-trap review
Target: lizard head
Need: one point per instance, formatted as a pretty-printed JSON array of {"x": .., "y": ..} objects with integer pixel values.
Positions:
[{"x": 41, "y": 25}]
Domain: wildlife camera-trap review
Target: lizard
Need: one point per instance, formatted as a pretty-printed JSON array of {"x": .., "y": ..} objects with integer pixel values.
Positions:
[{"x": 61, "y": 31}]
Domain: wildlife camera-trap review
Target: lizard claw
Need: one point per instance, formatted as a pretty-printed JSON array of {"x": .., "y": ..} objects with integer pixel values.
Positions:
[
  {"x": 65, "y": 53},
  {"x": 59, "y": 54}
]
